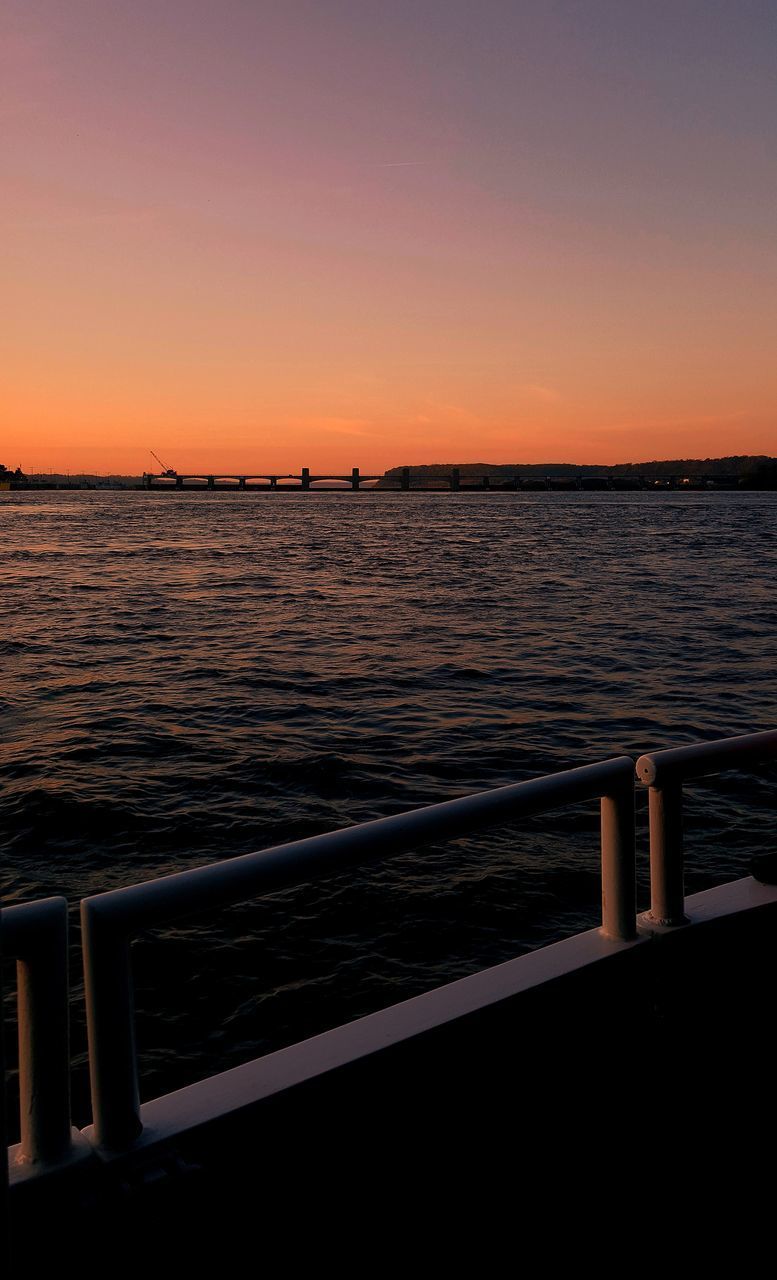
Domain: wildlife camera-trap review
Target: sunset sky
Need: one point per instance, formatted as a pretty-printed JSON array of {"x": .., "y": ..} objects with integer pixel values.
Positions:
[{"x": 336, "y": 233}]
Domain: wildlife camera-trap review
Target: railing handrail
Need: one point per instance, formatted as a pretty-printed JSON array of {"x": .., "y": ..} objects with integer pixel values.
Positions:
[
  {"x": 675, "y": 764},
  {"x": 181, "y": 893},
  {"x": 109, "y": 919}
]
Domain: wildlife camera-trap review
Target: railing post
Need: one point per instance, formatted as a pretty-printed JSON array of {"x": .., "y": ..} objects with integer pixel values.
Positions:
[
  {"x": 664, "y": 773},
  {"x": 110, "y": 1020},
  {"x": 667, "y": 892},
  {"x": 619, "y": 893},
  {"x": 44, "y": 1045},
  {"x": 35, "y": 933}
]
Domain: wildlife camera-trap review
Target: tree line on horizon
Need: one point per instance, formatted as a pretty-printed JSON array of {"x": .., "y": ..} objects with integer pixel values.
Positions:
[{"x": 758, "y": 470}]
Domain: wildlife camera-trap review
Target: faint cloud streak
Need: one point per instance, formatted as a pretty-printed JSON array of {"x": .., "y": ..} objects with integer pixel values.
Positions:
[{"x": 547, "y": 394}]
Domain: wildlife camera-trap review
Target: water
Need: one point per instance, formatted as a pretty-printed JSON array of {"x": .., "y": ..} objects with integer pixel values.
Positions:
[{"x": 190, "y": 677}]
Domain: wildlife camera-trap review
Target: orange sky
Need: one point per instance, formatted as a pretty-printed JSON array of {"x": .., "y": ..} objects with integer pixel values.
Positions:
[{"x": 373, "y": 235}]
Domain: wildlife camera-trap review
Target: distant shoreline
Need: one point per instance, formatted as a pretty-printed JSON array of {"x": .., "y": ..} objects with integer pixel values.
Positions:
[
  {"x": 749, "y": 471},
  {"x": 437, "y": 484}
]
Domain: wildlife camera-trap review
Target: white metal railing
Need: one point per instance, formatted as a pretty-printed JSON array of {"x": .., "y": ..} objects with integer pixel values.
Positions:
[
  {"x": 664, "y": 772},
  {"x": 35, "y": 935},
  {"x": 110, "y": 920}
]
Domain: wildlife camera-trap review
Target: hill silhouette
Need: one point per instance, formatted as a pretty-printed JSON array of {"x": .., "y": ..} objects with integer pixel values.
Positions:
[{"x": 746, "y": 466}]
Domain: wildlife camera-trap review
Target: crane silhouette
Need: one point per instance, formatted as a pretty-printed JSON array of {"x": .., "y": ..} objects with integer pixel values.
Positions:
[{"x": 166, "y": 471}]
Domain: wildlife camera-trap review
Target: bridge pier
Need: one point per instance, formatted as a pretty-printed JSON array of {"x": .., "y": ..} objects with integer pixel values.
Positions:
[
  {"x": 273, "y": 482},
  {"x": 241, "y": 482},
  {"x": 179, "y": 482},
  {"x": 455, "y": 480},
  {"x": 355, "y": 478},
  {"x": 211, "y": 482},
  {"x": 405, "y": 480},
  {"x": 305, "y": 477},
  {"x": 486, "y": 482}
]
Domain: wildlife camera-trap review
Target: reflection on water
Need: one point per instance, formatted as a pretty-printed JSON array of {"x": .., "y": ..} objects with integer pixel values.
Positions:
[{"x": 194, "y": 676}]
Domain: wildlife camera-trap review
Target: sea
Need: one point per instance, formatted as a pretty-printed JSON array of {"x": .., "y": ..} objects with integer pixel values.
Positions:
[{"x": 191, "y": 676}]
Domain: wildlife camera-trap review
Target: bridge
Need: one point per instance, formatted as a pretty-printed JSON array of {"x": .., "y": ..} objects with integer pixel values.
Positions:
[
  {"x": 404, "y": 481},
  {"x": 257, "y": 480}
]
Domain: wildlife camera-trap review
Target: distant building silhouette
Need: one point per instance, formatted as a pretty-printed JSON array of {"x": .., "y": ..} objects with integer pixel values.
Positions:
[{"x": 6, "y": 476}]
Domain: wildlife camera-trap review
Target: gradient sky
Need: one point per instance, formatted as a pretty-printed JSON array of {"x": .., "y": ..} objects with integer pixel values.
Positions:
[{"x": 342, "y": 232}]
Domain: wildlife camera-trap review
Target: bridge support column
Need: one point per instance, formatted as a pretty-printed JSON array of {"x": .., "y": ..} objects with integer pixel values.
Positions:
[
  {"x": 241, "y": 482},
  {"x": 405, "y": 481},
  {"x": 273, "y": 482},
  {"x": 355, "y": 478},
  {"x": 211, "y": 482},
  {"x": 305, "y": 478},
  {"x": 455, "y": 480},
  {"x": 486, "y": 482},
  {"x": 179, "y": 482}
]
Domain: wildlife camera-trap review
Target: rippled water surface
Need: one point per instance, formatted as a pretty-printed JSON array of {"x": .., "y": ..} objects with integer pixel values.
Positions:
[{"x": 192, "y": 676}]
